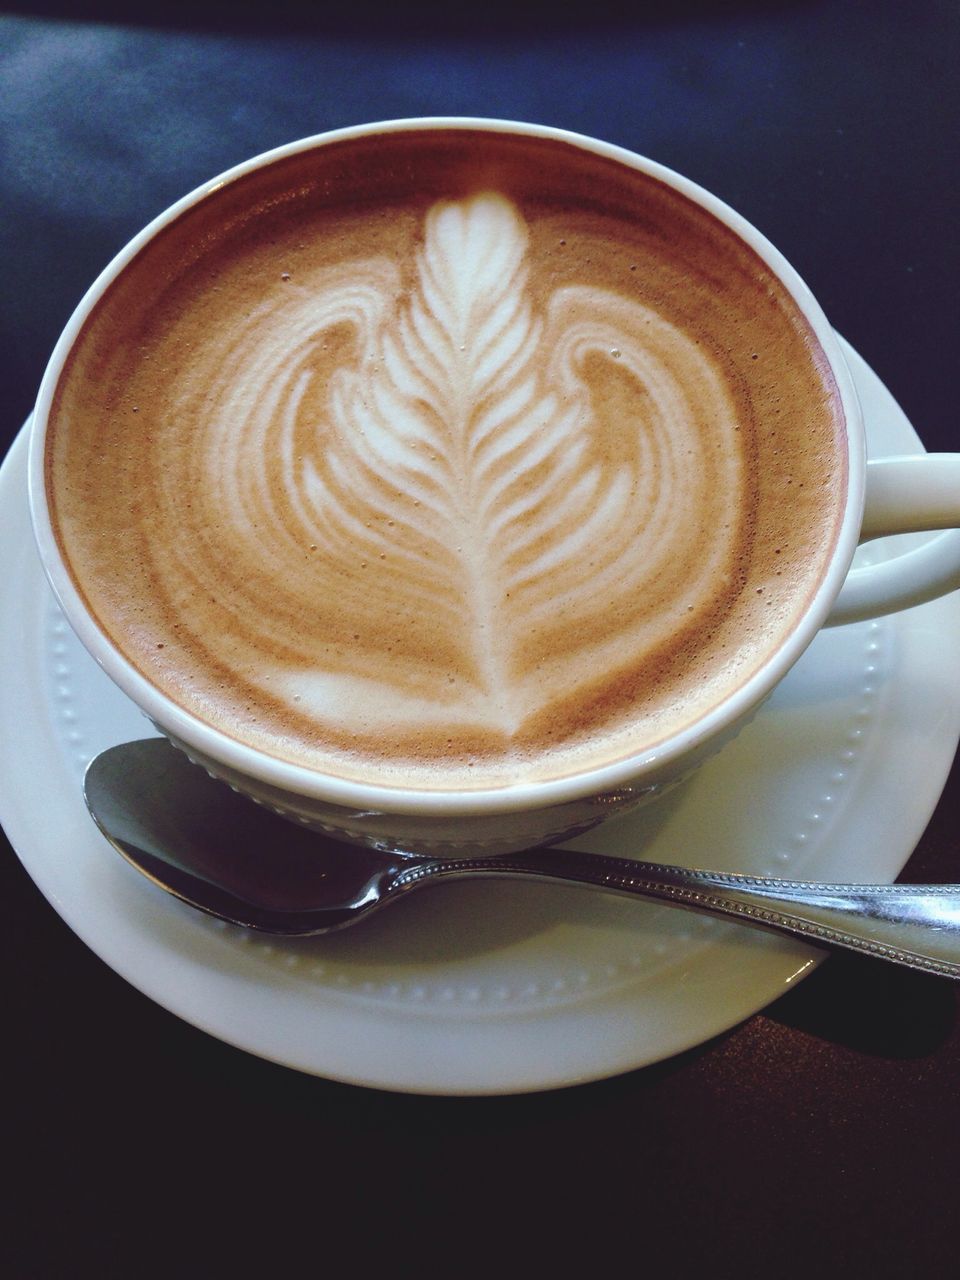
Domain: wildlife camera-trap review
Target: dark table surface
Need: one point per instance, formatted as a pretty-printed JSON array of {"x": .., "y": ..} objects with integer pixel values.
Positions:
[{"x": 821, "y": 1133}]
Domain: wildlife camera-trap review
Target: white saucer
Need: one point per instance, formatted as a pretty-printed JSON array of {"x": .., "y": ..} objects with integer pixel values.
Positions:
[{"x": 494, "y": 988}]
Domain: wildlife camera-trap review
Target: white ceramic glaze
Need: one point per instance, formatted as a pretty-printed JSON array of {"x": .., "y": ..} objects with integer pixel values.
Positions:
[
  {"x": 513, "y": 817},
  {"x": 493, "y": 988},
  {"x": 904, "y": 494}
]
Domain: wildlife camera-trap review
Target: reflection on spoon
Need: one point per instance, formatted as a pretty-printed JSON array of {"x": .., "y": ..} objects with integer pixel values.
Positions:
[{"x": 218, "y": 851}]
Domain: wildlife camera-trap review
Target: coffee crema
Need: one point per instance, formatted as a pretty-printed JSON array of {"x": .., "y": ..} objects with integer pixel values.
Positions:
[{"x": 446, "y": 459}]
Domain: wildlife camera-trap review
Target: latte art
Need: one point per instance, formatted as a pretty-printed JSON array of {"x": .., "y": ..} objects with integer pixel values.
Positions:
[
  {"x": 465, "y": 494},
  {"x": 456, "y": 483}
]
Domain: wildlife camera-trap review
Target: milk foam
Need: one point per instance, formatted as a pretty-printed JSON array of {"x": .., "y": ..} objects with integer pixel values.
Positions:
[
  {"x": 453, "y": 473},
  {"x": 451, "y": 500}
]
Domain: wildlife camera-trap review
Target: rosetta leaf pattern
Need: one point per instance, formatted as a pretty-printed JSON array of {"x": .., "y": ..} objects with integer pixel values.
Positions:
[{"x": 499, "y": 494}]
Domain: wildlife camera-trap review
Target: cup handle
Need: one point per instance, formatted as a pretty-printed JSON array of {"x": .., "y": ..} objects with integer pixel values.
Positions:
[{"x": 912, "y": 494}]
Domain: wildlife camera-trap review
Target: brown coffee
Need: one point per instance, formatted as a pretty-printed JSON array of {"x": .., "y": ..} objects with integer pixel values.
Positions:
[{"x": 446, "y": 458}]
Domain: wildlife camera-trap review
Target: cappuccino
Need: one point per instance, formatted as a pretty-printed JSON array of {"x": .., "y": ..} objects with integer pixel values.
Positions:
[{"x": 446, "y": 459}]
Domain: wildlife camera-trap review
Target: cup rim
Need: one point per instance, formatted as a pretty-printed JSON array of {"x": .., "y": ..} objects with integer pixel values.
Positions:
[{"x": 198, "y": 736}]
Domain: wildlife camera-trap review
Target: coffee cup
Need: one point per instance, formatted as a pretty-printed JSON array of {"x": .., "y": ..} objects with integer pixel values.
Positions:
[{"x": 455, "y": 484}]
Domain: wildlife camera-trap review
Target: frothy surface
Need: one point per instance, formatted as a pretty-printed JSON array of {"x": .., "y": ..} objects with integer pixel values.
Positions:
[{"x": 446, "y": 460}]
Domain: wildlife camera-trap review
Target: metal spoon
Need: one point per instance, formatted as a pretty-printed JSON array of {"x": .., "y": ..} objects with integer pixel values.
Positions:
[{"x": 237, "y": 861}]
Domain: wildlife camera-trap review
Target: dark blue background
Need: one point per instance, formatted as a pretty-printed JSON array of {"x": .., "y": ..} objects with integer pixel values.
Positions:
[
  {"x": 832, "y": 127},
  {"x": 822, "y": 1135}
]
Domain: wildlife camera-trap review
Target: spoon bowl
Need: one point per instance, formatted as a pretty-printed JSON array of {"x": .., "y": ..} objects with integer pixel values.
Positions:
[{"x": 223, "y": 854}]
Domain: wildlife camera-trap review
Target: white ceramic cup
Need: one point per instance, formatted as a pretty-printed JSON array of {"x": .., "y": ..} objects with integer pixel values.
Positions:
[{"x": 891, "y": 496}]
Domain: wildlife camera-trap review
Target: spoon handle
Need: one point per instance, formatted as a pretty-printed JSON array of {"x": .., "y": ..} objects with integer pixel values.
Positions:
[{"x": 913, "y": 925}]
